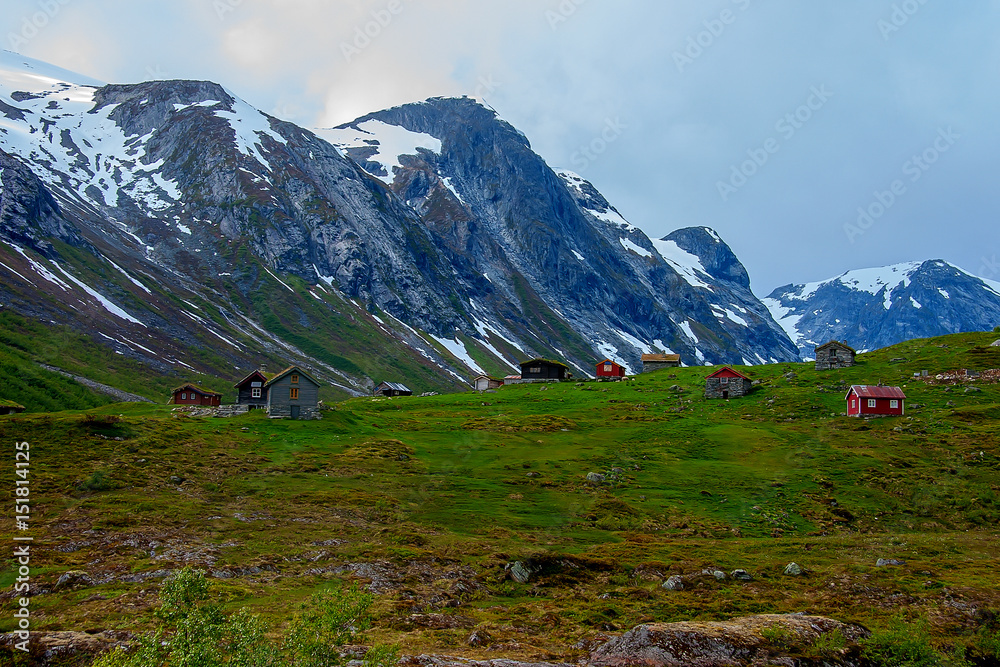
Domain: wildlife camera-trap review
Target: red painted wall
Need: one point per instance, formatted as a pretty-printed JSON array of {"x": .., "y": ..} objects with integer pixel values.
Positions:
[
  {"x": 615, "y": 372},
  {"x": 858, "y": 407}
]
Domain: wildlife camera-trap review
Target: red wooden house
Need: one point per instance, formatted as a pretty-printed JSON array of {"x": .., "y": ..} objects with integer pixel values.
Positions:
[
  {"x": 610, "y": 369},
  {"x": 191, "y": 394},
  {"x": 865, "y": 400}
]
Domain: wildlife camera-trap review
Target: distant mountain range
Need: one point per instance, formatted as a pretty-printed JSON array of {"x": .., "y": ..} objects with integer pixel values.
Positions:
[
  {"x": 874, "y": 308},
  {"x": 175, "y": 223}
]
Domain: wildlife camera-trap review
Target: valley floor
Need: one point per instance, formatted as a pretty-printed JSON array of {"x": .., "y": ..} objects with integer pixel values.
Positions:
[{"x": 473, "y": 513}]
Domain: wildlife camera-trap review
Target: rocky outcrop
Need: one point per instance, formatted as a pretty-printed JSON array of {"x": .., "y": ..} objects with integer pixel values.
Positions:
[
  {"x": 756, "y": 640},
  {"x": 60, "y": 648}
]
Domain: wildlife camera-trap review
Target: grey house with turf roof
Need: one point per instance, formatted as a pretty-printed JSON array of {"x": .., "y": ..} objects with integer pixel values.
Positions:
[{"x": 293, "y": 394}]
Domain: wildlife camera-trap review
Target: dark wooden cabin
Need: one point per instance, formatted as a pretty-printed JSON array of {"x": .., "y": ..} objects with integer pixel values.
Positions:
[
  {"x": 293, "y": 394},
  {"x": 10, "y": 407},
  {"x": 544, "y": 369},
  {"x": 252, "y": 391},
  {"x": 191, "y": 394},
  {"x": 392, "y": 389}
]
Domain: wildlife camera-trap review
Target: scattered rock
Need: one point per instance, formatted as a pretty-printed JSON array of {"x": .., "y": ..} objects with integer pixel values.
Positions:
[
  {"x": 479, "y": 638},
  {"x": 741, "y": 641},
  {"x": 174, "y": 479},
  {"x": 741, "y": 575},
  {"x": 74, "y": 579},
  {"x": 534, "y": 475},
  {"x": 794, "y": 570},
  {"x": 790, "y": 376},
  {"x": 519, "y": 572},
  {"x": 674, "y": 583},
  {"x": 973, "y": 390},
  {"x": 996, "y": 344},
  {"x": 60, "y": 648},
  {"x": 718, "y": 574},
  {"x": 889, "y": 562},
  {"x": 596, "y": 479},
  {"x": 428, "y": 394}
]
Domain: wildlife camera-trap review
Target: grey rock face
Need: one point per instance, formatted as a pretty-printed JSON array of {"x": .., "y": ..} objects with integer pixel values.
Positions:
[{"x": 674, "y": 583}]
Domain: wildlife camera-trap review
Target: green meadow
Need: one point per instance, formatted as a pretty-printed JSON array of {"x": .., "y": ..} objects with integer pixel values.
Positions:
[{"x": 431, "y": 499}]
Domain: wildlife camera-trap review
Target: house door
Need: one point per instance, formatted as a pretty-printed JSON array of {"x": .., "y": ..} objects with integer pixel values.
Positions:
[
  {"x": 725, "y": 394},
  {"x": 295, "y": 411}
]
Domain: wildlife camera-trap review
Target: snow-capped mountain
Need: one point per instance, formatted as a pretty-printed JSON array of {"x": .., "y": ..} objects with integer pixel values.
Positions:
[
  {"x": 474, "y": 179},
  {"x": 179, "y": 225},
  {"x": 873, "y": 308}
]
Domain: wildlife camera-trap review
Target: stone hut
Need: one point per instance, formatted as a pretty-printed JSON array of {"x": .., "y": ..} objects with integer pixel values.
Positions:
[
  {"x": 655, "y": 362},
  {"x": 727, "y": 383},
  {"x": 834, "y": 355}
]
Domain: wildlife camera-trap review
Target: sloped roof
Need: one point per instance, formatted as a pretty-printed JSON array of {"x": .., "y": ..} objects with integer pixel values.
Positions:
[
  {"x": 870, "y": 391},
  {"x": 721, "y": 371},
  {"x": 607, "y": 361},
  {"x": 196, "y": 388},
  {"x": 547, "y": 361},
  {"x": 837, "y": 343},
  {"x": 396, "y": 386},
  {"x": 4, "y": 403},
  {"x": 661, "y": 357},
  {"x": 266, "y": 376},
  {"x": 290, "y": 370}
]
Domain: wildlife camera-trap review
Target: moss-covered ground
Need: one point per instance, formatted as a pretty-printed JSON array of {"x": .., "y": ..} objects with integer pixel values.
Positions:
[{"x": 430, "y": 499}]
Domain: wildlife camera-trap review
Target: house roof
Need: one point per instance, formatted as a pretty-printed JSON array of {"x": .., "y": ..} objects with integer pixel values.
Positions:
[
  {"x": 4, "y": 403},
  {"x": 837, "y": 343},
  {"x": 512, "y": 377},
  {"x": 722, "y": 371},
  {"x": 608, "y": 361},
  {"x": 396, "y": 386},
  {"x": 265, "y": 376},
  {"x": 869, "y": 391},
  {"x": 661, "y": 357},
  {"x": 485, "y": 377},
  {"x": 196, "y": 388},
  {"x": 544, "y": 361},
  {"x": 290, "y": 370}
]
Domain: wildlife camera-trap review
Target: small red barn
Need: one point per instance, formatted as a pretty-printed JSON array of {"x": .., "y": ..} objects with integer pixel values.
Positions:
[
  {"x": 191, "y": 394},
  {"x": 865, "y": 400},
  {"x": 610, "y": 369}
]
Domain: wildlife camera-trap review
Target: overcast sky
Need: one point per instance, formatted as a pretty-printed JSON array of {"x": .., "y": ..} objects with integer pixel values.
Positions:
[{"x": 771, "y": 121}]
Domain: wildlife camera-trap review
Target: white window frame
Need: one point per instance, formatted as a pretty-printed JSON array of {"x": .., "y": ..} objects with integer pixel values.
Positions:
[
  {"x": 725, "y": 381},
  {"x": 256, "y": 392},
  {"x": 184, "y": 396},
  {"x": 608, "y": 368},
  {"x": 872, "y": 403},
  {"x": 894, "y": 404}
]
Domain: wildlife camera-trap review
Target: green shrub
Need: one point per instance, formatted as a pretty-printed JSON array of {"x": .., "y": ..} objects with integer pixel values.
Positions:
[
  {"x": 97, "y": 482},
  {"x": 196, "y": 633},
  {"x": 901, "y": 645}
]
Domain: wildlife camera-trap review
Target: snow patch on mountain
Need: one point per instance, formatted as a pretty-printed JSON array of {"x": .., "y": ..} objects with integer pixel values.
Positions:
[
  {"x": 390, "y": 142},
  {"x": 687, "y": 265},
  {"x": 639, "y": 250},
  {"x": 249, "y": 126},
  {"x": 457, "y": 348}
]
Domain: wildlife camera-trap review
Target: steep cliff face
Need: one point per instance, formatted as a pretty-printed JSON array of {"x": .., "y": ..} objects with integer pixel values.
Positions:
[
  {"x": 873, "y": 308},
  {"x": 436, "y": 232},
  {"x": 475, "y": 181}
]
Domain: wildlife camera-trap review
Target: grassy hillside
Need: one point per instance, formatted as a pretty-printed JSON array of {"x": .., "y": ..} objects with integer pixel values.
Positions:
[{"x": 431, "y": 499}]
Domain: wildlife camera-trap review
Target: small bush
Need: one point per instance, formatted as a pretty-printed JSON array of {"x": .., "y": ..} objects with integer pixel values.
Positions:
[
  {"x": 97, "y": 482},
  {"x": 901, "y": 645}
]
